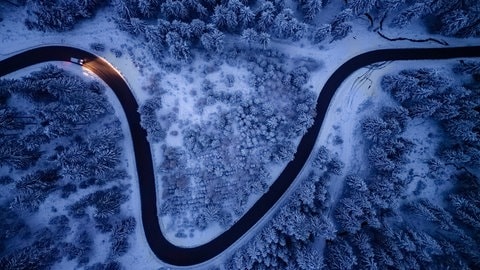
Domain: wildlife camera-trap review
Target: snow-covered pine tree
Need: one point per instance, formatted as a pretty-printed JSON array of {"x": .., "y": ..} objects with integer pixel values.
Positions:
[
  {"x": 454, "y": 21},
  {"x": 321, "y": 33},
  {"x": 339, "y": 255},
  {"x": 250, "y": 37},
  {"x": 360, "y": 7},
  {"x": 264, "y": 40},
  {"x": 213, "y": 40},
  {"x": 310, "y": 8},
  {"x": 416, "y": 10}
]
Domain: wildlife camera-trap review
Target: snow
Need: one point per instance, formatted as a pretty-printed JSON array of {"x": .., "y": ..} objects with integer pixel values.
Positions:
[
  {"x": 357, "y": 97},
  {"x": 54, "y": 205},
  {"x": 15, "y": 38},
  {"x": 178, "y": 98},
  {"x": 139, "y": 252},
  {"x": 341, "y": 120},
  {"x": 427, "y": 136}
]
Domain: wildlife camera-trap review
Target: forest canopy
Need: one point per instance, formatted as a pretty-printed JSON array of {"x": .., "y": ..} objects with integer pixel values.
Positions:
[{"x": 62, "y": 176}]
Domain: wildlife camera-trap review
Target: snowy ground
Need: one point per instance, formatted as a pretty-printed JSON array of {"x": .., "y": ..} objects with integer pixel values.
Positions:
[
  {"x": 357, "y": 91},
  {"x": 348, "y": 102},
  {"x": 427, "y": 136},
  {"x": 361, "y": 95},
  {"x": 139, "y": 251}
]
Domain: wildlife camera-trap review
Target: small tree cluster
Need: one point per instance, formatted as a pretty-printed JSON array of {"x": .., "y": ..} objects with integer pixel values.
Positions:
[
  {"x": 285, "y": 242},
  {"x": 427, "y": 94},
  {"x": 105, "y": 202},
  {"x": 119, "y": 238},
  {"x": 149, "y": 120},
  {"x": 58, "y": 15}
]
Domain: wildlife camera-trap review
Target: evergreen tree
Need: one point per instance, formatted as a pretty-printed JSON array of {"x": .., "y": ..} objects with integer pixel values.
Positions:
[
  {"x": 266, "y": 17},
  {"x": 321, "y": 33},
  {"x": 197, "y": 27},
  {"x": 220, "y": 17},
  {"x": 147, "y": 8},
  {"x": 246, "y": 17},
  {"x": 213, "y": 41},
  {"x": 375, "y": 129},
  {"x": 250, "y": 37},
  {"x": 264, "y": 40},
  {"x": 178, "y": 47},
  {"x": 339, "y": 255},
  {"x": 454, "y": 21},
  {"x": 310, "y": 8},
  {"x": 174, "y": 9},
  {"x": 340, "y": 31},
  {"x": 360, "y": 7},
  {"x": 11, "y": 120},
  {"x": 406, "y": 16}
]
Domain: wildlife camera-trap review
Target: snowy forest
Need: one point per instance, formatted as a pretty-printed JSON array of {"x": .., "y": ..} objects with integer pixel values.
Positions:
[
  {"x": 61, "y": 173},
  {"x": 223, "y": 160},
  {"x": 180, "y": 25},
  {"x": 396, "y": 215},
  {"x": 224, "y": 108},
  {"x": 390, "y": 215}
]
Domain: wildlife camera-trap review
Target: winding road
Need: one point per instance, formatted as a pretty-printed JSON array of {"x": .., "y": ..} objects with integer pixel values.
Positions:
[{"x": 162, "y": 248}]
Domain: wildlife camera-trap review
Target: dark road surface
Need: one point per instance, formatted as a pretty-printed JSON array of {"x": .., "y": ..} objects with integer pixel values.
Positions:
[{"x": 162, "y": 248}]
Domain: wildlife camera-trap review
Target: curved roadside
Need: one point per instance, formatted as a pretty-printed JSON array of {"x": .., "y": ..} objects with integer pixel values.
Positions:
[{"x": 162, "y": 248}]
